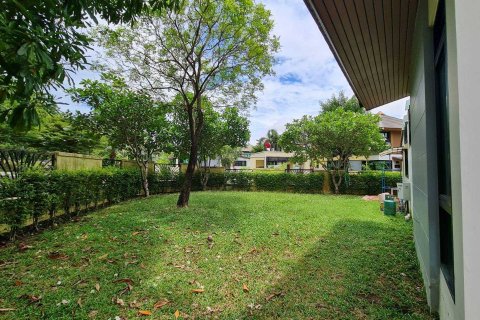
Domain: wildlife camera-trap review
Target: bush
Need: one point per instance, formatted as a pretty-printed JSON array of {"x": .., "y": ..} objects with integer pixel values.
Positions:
[
  {"x": 369, "y": 182},
  {"x": 15, "y": 203},
  {"x": 39, "y": 192}
]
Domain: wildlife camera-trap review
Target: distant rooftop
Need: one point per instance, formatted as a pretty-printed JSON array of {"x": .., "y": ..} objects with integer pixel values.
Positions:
[{"x": 389, "y": 122}]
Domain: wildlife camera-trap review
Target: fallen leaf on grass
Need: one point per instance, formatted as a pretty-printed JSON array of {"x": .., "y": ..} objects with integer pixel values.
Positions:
[
  {"x": 160, "y": 303},
  {"x": 7, "y": 309},
  {"x": 144, "y": 313},
  {"x": 273, "y": 295},
  {"x": 103, "y": 256},
  {"x": 118, "y": 301},
  {"x": 23, "y": 247},
  {"x": 97, "y": 286},
  {"x": 57, "y": 256},
  {"x": 18, "y": 283},
  {"x": 126, "y": 280},
  {"x": 245, "y": 288},
  {"x": 135, "y": 233},
  {"x": 197, "y": 290},
  {"x": 79, "y": 302},
  {"x": 92, "y": 314},
  {"x": 31, "y": 298},
  {"x": 127, "y": 288},
  {"x": 177, "y": 314}
]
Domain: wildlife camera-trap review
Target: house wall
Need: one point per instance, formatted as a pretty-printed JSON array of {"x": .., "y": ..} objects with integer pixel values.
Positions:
[
  {"x": 396, "y": 138},
  {"x": 423, "y": 169},
  {"x": 463, "y": 46},
  {"x": 463, "y": 25}
]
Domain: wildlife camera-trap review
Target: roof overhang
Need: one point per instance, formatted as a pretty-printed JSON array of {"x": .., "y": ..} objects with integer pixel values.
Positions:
[{"x": 371, "y": 41}]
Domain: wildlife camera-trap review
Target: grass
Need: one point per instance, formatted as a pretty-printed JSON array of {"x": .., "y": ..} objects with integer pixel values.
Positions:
[{"x": 254, "y": 255}]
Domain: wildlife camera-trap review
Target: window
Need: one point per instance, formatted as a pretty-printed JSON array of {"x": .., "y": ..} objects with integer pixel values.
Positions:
[
  {"x": 443, "y": 150},
  {"x": 240, "y": 163},
  {"x": 387, "y": 136},
  {"x": 405, "y": 162}
]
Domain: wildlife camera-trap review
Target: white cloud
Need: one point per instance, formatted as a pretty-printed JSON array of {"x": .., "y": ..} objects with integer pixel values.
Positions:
[
  {"x": 306, "y": 59},
  {"x": 306, "y": 73}
]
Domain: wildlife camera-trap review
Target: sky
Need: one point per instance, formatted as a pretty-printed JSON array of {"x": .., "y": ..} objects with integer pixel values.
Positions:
[{"x": 306, "y": 73}]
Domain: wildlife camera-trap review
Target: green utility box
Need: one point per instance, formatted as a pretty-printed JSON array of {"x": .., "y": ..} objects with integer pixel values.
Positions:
[{"x": 389, "y": 207}]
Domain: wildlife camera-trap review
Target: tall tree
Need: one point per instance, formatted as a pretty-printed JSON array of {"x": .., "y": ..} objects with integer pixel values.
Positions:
[
  {"x": 341, "y": 101},
  {"x": 222, "y": 129},
  {"x": 273, "y": 137},
  {"x": 219, "y": 50},
  {"x": 331, "y": 138},
  {"x": 41, "y": 42},
  {"x": 131, "y": 120}
]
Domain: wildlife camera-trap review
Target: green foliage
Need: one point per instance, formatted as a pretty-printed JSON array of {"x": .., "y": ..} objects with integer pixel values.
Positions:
[
  {"x": 331, "y": 138},
  {"x": 15, "y": 204},
  {"x": 369, "y": 182},
  {"x": 215, "y": 51},
  {"x": 39, "y": 192},
  {"x": 276, "y": 181},
  {"x": 341, "y": 101},
  {"x": 132, "y": 121},
  {"x": 41, "y": 41},
  {"x": 57, "y": 133}
]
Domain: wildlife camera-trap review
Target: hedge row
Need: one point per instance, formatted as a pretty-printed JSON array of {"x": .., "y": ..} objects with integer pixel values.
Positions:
[
  {"x": 36, "y": 193},
  {"x": 369, "y": 182}
]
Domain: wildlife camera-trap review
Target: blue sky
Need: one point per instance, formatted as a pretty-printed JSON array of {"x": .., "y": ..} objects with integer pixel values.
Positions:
[{"x": 306, "y": 73}]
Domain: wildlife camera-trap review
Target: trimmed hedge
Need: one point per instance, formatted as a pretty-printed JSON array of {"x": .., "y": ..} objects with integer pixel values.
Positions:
[
  {"x": 275, "y": 181},
  {"x": 36, "y": 193},
  {"x": 369, "y": 182}
]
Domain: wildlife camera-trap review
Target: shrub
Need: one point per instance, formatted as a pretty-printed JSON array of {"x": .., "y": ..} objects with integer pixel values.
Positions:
[
  {"x": 15, "y": 203},
  {"x": 369, "y": 182}
]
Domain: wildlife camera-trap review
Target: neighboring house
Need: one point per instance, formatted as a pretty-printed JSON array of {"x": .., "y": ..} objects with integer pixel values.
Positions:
[
  {"x": 268, "y": 159},
  {"x": 391, "y": 159},
  {"x": 428, "y": 50}
]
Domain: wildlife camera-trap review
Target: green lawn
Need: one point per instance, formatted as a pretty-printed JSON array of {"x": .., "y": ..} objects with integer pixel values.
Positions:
[{"x": 254, "y": 255}]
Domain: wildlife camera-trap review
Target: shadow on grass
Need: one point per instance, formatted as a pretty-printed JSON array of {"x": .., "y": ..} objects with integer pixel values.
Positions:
[{"x": 360, "y": 270}]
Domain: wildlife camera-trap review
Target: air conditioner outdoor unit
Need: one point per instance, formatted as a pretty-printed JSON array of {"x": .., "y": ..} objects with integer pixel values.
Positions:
[{"x": 404, "y": 191}]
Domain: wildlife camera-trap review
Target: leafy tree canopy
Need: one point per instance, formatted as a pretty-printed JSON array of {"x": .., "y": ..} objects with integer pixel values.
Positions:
[
  {"x": 218, "y": 50},
  {"x": 131, "y": 120},
  {"x": 332, "y": 137},
  {"x": 342, "y": 101},
  {"x": 42, "y": 42},
  {"x": 58, "y": 133}
]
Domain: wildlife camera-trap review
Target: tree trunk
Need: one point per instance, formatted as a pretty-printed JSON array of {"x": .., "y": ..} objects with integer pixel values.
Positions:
[
  {"x": 337, "y": 180},
  {"x": 195, "y": 123},
  {"x": 144, "y": 173},
  {"x": 187, "y": 184}
]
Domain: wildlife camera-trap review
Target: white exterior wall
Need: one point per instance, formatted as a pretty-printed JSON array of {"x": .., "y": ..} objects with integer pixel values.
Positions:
[
  {"x": 463, "y": 41},
  {"x": 463, "y": 48}
]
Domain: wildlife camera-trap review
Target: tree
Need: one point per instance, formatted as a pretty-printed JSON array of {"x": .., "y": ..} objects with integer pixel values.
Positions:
[
  {"x": 331, "y": 138},
  {"x": 131, "y": 120},
  {"x": 228, "y": 155},
  {"x": 273, "y": 136},
  {"x": 219, "y": 50},
  {"x": 41, "y": 42},
  {"x": 58, "y": 133},
  {"x": 341, "y": 101},
  {"x": 222, "y": 130}
]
